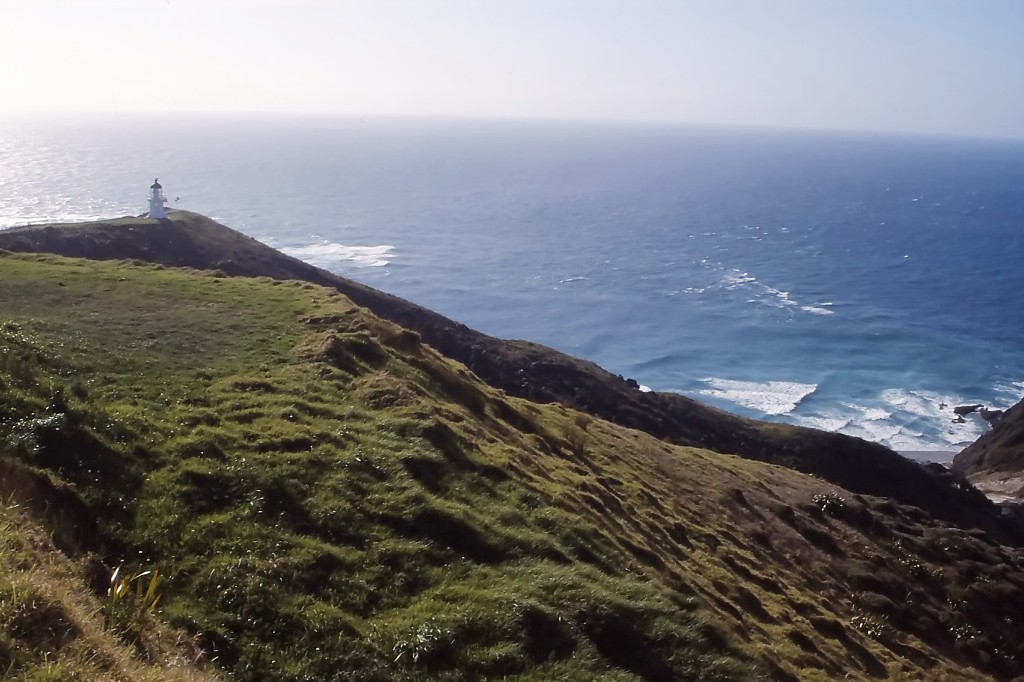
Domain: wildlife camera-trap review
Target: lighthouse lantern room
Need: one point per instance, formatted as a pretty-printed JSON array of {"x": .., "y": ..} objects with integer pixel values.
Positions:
[{"x": 157, "y": 200}]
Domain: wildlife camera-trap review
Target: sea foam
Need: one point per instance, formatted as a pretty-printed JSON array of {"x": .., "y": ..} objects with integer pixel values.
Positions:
[
  {"x": 327, "y": 254},
  {"x": 1012, "y": 391},
  {"x": 767, "y": 295},
  {"x": 870, "y": 423},
  {"x": 905, "y": 420},
  {"x": 934, "y": 412},
  {"x": 770, "y": 397}
]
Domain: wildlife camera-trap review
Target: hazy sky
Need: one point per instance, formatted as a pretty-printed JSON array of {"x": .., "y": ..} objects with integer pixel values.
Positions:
[{"x": 931, "y": 66}]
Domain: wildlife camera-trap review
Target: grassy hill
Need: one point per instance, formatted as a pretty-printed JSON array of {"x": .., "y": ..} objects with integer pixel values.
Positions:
[
  {"x": 534, "y": 372},
  {"x": 329, "y": 497}
]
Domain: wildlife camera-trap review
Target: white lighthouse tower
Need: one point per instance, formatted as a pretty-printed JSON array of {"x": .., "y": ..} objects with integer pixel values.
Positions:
[{"x": 157, "y": 200}]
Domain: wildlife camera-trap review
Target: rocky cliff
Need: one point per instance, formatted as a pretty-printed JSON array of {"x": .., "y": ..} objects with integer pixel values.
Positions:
[{"x": 995, "y": 462}]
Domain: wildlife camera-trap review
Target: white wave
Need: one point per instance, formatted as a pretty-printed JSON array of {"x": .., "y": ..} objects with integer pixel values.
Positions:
[
  {"x": 817, "y": 310},
  {"x": 645, "y": 389},
  {"x": 1013, "y": 391},
  {"x": 921, "y": 403},
  {"x": 767, "y": 295},
  {"x": 770, "y": 397},
  {"x": 825, "y": 422},
  {"x": 869, "y": 413},
  {"x": 325, "y": 254},
  {"x": 878, "y": 431},
  {"x": 782, "y": 296},
  {"x": 906, "y": 420},
  {"x": 915, "y": 442},
  {"x": 852, "y": 419},
  {"x": 871, "y": 425},
  {"x": 737, "y": 278},
  {"x": 936, "y": 411},
  {"x": 572, "y": 279},
  {"x": 776, "y": 298}
]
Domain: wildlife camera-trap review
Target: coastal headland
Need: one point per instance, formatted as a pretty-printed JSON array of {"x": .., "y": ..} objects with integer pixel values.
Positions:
[{"x": 333, "y": 481}]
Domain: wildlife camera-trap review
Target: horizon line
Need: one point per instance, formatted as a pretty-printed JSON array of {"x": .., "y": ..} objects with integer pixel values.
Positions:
[{"x": 195, "y": 114}]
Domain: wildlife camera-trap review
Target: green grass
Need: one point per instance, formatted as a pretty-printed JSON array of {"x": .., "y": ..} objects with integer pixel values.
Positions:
[
  {"x": 327, "y": 498},
  {"x": 133, "y": 328},
  {"x": 312, "y": 502},
  {"x": 53, "y": 628}
]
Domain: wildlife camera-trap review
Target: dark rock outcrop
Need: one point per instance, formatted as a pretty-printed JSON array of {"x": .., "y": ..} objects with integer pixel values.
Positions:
[
  {"x": 536, "y": 372},
  {"x": 991, "y": 416}
]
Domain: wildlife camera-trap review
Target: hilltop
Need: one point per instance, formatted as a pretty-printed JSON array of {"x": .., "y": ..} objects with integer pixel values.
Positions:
[
  {"x": 532, "y": 371},
  {"x": 331, "y": 496}
]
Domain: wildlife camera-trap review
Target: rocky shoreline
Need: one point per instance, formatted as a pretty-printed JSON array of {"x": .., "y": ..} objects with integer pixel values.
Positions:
[{"x": 991, "y": 416}]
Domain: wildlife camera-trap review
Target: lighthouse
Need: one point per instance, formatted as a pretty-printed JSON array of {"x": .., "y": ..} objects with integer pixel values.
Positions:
[{"x": 157, "y": 200}]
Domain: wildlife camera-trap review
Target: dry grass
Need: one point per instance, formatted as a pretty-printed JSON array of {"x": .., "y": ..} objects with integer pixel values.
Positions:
[{"x": 53, "y": 626}]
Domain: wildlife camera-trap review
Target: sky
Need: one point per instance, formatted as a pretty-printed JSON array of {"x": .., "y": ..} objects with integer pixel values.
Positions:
[{"x": 924, "y": 66}]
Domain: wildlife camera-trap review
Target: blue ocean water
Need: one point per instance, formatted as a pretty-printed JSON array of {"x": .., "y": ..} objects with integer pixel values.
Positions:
[{"x": 852, "y": 282}]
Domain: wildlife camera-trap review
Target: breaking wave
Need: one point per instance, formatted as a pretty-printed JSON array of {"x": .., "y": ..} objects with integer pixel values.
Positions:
[
  {"x": 908, "y": 420},
  {"x": 331, "y": 254},
  {"x": 905, "y": 420},
  {"x": 769, "y": 398}
]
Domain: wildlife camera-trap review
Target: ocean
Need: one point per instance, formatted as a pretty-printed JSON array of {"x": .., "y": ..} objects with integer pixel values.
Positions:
[{"x": 854, "y": 282}]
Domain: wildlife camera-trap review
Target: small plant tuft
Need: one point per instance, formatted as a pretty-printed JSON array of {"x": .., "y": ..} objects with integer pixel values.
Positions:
[
  {"x": 830, "y": 503},
  {"x": 130, "y": 599},
  {"x": 424, "y": 645},
  {"x": 875, "y": 627}
]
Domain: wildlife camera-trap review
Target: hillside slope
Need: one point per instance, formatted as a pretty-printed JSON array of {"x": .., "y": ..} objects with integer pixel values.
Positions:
[
  {"x": 330, "y": 498},
  {"x": 995, "y": 462},
  {"x": 53, "y": 628},
  {"x": 535, "y": 372}
]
